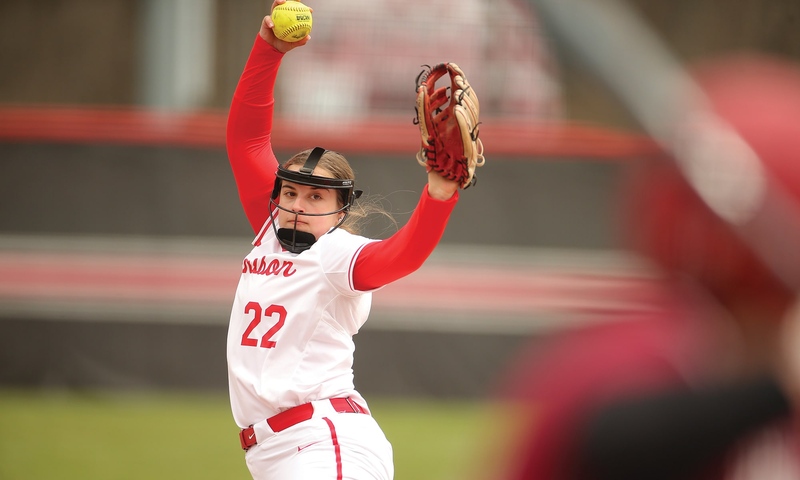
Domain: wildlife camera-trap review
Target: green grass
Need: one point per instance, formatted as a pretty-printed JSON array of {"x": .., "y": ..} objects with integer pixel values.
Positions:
[{"x": 112, "y": 436}]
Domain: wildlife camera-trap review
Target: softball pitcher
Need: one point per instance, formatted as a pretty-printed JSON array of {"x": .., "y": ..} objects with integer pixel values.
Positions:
[{"x": 305, "y": 290}]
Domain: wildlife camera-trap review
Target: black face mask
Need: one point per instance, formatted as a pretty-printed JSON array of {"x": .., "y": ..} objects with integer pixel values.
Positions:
[
  {"x": 294, "y": 240},
  {"x": 291, "y": 239}
]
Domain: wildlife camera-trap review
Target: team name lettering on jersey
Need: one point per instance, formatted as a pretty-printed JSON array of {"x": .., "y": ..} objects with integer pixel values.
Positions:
[{"x": 259, "y": 266}]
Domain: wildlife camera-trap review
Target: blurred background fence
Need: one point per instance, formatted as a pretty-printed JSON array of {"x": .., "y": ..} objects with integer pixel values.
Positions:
[{"x": 120, "y": 229}]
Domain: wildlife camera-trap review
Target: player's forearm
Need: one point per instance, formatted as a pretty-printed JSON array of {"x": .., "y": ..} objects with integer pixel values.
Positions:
[
  {"x": 248, "y": 132},
  {"x": 381, "y": 263},
  {"x": 250, "y": 117},
  {"x": 670, "y": 435},
  {"x": 257, "y": 82}
]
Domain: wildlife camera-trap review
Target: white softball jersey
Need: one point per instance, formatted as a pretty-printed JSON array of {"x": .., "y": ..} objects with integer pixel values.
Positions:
[{"x": 291, "y": 327}]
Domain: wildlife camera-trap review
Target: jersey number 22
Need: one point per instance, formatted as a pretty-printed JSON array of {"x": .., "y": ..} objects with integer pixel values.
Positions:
[{"x": 258, "y": 314}]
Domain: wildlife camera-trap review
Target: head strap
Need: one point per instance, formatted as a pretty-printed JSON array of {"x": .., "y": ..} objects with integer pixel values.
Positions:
[
  {"x": 305, "y": 176},
  {"x": 312, "y": 160}
]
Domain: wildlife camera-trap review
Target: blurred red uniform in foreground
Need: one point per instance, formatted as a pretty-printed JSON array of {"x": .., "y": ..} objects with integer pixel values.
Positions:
[{"x": 705, "y": 387}]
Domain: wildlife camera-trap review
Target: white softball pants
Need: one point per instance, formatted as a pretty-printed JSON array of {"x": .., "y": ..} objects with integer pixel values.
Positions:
[{"x": 329, "y": 446}]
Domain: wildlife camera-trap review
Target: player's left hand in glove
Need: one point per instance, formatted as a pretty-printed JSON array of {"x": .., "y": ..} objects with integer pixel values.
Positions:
[{"x": 448, "y": 124}]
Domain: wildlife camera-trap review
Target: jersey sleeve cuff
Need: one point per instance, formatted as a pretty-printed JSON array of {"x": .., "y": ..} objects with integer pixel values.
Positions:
[{"x": 426, "y": 196}]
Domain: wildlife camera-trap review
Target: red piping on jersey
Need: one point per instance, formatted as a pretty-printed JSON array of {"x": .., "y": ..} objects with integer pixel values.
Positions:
[
  {"x": 351, "y": 274},
  {"x": 265, "y": 228}
]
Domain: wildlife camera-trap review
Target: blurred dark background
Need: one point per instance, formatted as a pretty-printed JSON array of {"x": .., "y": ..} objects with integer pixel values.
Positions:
[{"x": 106, "y": 52}]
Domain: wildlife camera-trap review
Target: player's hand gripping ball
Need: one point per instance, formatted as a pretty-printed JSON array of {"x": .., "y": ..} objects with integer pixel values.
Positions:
[{"x": 292, "y": 21}]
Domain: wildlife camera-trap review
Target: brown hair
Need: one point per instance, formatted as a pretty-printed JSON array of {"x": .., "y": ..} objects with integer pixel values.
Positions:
[{"x": 339, "y": 167}]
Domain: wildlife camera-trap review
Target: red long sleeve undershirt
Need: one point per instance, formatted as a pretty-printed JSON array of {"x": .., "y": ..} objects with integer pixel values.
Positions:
[{"x": 254, "y": 165}]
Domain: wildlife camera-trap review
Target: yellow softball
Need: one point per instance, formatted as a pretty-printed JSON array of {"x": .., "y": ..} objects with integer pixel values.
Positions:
[{"x": 292, "y": 21}]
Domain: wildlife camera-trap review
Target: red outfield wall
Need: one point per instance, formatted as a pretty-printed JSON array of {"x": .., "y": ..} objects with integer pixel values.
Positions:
[{"x": 502, "y": 137}]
